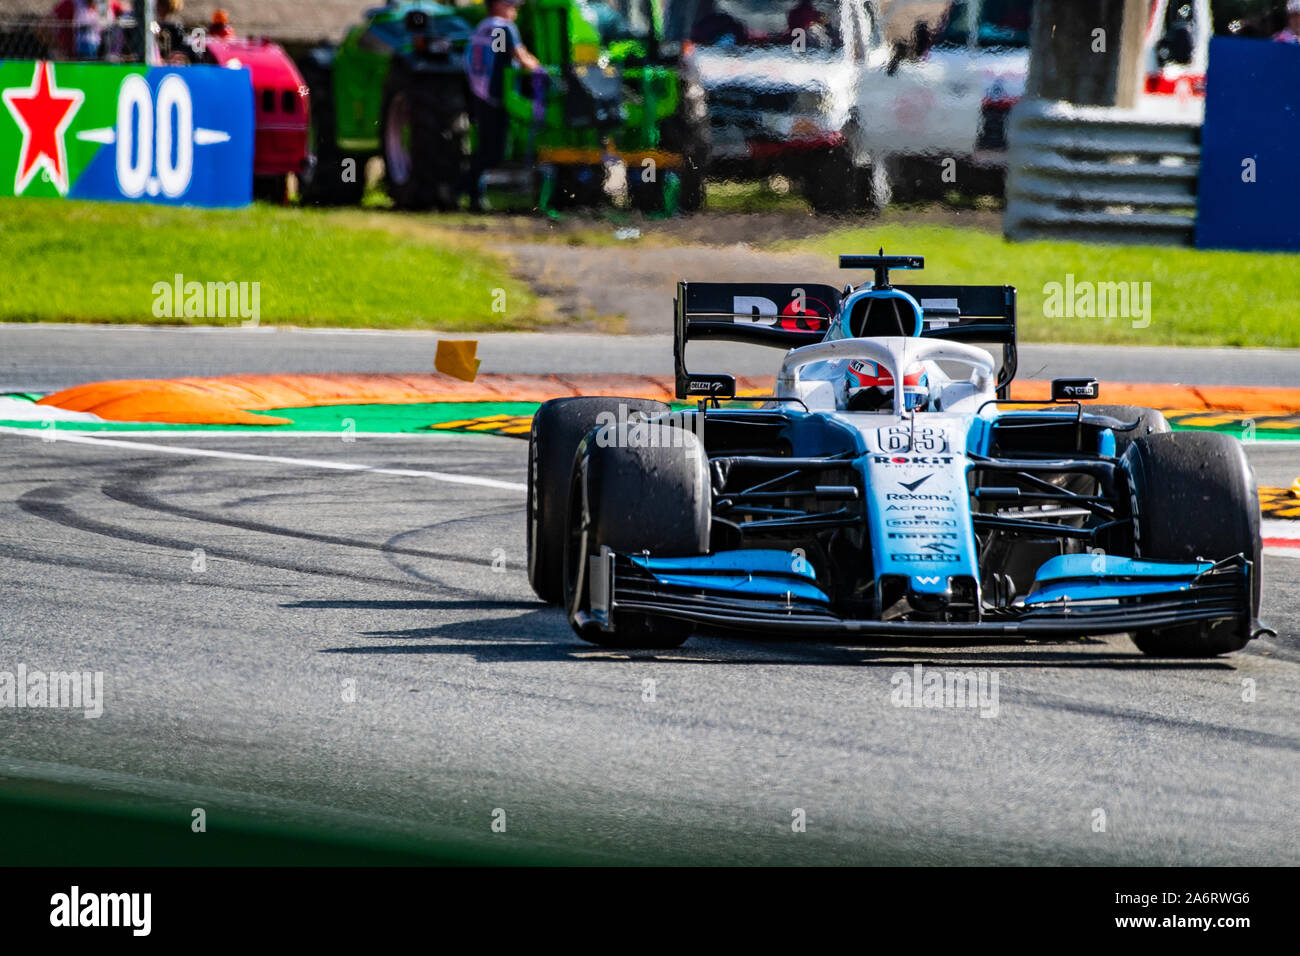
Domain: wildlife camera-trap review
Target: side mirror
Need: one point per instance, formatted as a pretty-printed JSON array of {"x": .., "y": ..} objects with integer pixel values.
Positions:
[{"x": 1075, "y": 389}]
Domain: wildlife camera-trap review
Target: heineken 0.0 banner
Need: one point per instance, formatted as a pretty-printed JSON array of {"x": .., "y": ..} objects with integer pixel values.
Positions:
[{"x": 175, "y": 135}]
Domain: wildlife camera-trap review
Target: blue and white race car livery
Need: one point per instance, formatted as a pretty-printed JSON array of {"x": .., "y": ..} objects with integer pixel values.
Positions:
[{"x": 887, "y": 486}]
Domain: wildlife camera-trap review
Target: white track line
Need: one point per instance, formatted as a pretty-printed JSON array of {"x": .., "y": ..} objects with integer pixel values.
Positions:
[{"x": 442, "y": 476}]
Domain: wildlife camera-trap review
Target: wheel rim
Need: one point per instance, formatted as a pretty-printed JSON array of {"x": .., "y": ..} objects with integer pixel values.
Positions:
[{"x": 397, "y": 139}]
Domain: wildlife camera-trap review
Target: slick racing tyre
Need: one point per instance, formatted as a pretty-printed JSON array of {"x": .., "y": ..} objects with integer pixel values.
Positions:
[
  {"x": 1193, "y": 495},
  {"x": 559, "y": 427},
  {"x": 1149, "y": 422},
  {"x": 635, "y": 492}
]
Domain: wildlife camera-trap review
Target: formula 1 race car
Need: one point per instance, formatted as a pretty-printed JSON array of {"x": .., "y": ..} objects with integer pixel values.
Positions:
[{"x": 887, "y": 487}]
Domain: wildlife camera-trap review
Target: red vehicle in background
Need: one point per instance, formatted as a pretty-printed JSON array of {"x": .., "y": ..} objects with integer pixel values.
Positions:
[{"x": 281, "y": 107}]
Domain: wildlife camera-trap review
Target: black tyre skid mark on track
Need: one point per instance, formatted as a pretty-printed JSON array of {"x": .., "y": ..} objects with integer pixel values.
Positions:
[
  {"x": 127, "y": 489},
  {"x": 11, "y": 553},
  {"x": 45, "y": 502},
  {"x": 37, "y": 502}
]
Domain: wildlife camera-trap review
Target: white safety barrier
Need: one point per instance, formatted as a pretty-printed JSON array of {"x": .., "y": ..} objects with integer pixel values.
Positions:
[{"x": 1100, "y": 174}]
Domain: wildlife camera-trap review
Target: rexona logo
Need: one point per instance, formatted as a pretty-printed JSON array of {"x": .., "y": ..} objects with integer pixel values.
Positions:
[{"x": 894, "y": 496}]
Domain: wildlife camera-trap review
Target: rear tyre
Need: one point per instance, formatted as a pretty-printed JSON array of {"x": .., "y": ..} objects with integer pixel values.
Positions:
[
  {"x": 1193, "y": 496},
  {"x": 645, "y": 197},
  {"x": 687, "y": 134},
  {"x": 635, "y": 492},
  {"x": 559, "y": 427},
  {"x": 1149, "y": 422},
  {"x": 331, "y": 177},
  {"x": 578, "y": 187},
  {"x": 423, "y": 138},
  {"x": 834, "y": 184},
  {"x": 272, "y": 189}
]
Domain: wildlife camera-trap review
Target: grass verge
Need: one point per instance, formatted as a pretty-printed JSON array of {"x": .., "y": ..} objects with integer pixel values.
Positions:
[
  {"x": 1197, "y": 297},
  {"x": 99, "y": 262}
]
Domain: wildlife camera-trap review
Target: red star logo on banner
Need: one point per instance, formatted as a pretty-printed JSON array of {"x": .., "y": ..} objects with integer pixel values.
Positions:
[{"x": 43, "y": 112}]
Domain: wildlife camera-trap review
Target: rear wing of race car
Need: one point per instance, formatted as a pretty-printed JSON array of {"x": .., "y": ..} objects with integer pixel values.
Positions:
[
  {"x": 978, "y": 314},
  {"x": 761, "y": 313},
  {"x": 791, "y": 315}
]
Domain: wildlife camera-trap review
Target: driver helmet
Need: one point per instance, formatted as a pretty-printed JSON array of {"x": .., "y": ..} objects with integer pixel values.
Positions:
[{"x": 871, "y": 384}]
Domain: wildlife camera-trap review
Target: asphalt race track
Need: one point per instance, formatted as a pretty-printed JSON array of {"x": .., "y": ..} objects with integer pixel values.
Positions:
[{"x": 359, "y": 646}]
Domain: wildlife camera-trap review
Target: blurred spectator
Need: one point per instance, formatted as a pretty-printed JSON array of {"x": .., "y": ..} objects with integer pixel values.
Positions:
[
  {"x": 81, "y": 27},
  {"x": 714, "y": 28},
  {"x": 805, "y": 16},
  {"x": 172, "y": 46},
  {"x": 1291, "y": 32},
  {"x": 220, "y": 28},
  {"x": 495, "y": 43}
]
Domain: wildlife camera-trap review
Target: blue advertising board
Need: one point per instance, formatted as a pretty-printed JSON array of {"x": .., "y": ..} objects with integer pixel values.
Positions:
[
  {"x": 1249, "y": 192},
  {"x": 172, "y": 135}
]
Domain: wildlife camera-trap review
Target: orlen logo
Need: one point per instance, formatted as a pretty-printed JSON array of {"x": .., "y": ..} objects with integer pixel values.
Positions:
[{"x": 801, "y": 314}]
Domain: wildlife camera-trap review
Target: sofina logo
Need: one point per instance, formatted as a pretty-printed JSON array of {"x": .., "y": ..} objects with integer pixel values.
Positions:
[{"x": 43, "y": 113}]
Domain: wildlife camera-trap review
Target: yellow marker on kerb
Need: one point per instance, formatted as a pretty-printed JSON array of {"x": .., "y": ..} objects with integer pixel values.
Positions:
[{"x": 457, "y": 359}]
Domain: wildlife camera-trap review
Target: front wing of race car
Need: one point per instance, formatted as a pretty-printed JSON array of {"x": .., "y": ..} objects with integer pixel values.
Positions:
[{"x": 776, "y": 591}]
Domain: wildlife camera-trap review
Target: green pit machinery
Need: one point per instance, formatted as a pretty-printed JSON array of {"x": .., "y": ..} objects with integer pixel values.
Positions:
[{"x": 612, "y": 91}]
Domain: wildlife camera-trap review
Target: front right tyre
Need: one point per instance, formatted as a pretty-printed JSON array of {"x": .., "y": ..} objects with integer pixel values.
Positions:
[{"x": 1193, "y": 496}]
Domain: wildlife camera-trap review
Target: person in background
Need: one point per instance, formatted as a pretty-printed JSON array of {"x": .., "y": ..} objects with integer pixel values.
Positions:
[
  {"x": 220, "y": 28},
  {"x": 494, "y": 44},
  {"x": 1291, "y": 32},
  {"x": 805, "y": 16},
  {"x": 81, "y": 27},
  {"x": 715, "y": 28},
  {"x": 173, "y": 49}
]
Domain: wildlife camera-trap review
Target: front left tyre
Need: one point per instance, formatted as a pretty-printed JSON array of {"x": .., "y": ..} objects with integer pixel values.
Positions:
[
  {"x": 559, "y": 427},
  {"x": 634, "y": 489}
]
